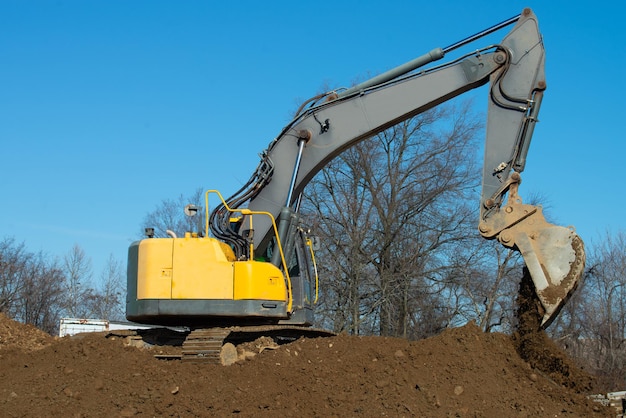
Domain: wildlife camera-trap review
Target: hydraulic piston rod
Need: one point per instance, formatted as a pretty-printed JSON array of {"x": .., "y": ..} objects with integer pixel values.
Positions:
[
  {"x": 434, "y": 55},
  {"x": 482, "y": 33},
  {"x": 296, "y": 168}
]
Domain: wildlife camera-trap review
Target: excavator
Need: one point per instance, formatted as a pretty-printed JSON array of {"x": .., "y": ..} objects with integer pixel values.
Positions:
[{"x": 253, "y": 269}]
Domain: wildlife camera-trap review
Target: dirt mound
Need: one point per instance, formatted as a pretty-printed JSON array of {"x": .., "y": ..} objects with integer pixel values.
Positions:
[
  {"x": 462, "y": 372},
  {"x": 26, "y": 337},
  {"x": 534, "y": 346}
]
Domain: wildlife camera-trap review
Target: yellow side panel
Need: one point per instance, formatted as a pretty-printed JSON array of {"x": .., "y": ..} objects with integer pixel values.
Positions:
[
  {"x": 201, "y": 270},
  {"x": 259, "y": 280},
  {"x": 154, "y": 269}
]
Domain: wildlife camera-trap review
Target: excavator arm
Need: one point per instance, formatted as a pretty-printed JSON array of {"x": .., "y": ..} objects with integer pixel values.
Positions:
[{"x": 330, "y": 123}]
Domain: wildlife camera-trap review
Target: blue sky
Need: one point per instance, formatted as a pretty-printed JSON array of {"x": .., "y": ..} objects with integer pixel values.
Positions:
[{"x": 109, "y": 107}]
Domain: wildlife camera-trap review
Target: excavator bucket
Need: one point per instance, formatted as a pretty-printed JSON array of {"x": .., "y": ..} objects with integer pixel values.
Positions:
[
  {"x": 555, "y": 258},
  {"x": 554, "y": 255}
]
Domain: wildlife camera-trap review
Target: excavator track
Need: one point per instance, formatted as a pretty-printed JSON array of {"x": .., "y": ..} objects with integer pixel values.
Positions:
[{"x": 204, "y": 345}]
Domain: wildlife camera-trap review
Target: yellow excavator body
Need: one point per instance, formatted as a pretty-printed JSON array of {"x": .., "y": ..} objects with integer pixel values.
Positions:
[
  {"x": 196, "y": 280},
  {"x": 199, "y": 268}
]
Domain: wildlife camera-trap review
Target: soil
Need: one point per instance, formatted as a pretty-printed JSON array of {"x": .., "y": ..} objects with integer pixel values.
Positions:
[
  {"x": 534, "y": 346},
  {"x": 462, "y": 372}
]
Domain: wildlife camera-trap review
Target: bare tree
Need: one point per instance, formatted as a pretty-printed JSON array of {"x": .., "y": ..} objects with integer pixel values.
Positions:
[
  {"x": 387, "y": 210},
  {"x": 169, "y": 215},
  {"x": 108, "y": 299},
  {"x": 30, "y": 286},
  {"x": 13, "y": 261},
  {"x": 341, "y": 215},
  {"x": 41, "y": 296},
  {"x": 483, "y": 284},
  {"x": 78, "y": 286}
]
